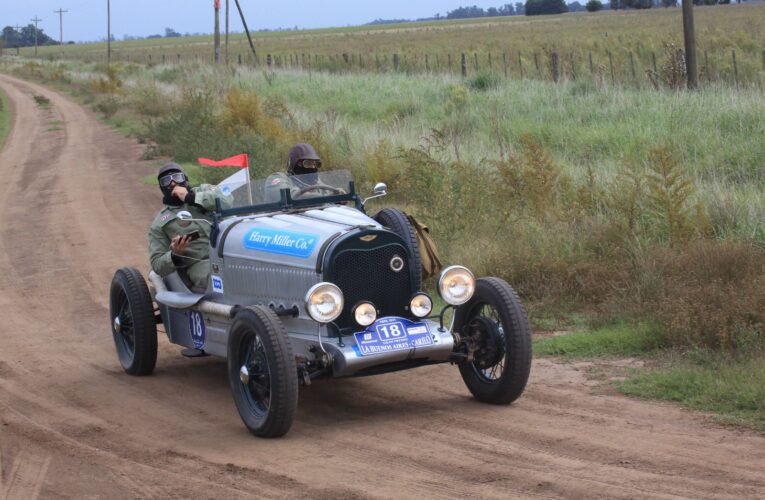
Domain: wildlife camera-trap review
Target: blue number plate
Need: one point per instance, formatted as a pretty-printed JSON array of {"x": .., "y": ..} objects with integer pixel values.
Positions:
[{"x": 390, "y": 335}]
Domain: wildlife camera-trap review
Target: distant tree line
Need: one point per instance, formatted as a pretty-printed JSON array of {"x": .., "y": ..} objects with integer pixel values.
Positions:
[{"x": 25, "y": 37}]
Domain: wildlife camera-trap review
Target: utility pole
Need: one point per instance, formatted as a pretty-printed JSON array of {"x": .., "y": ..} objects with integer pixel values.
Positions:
[
  {"x": 690, "y": 44},
  {"x": 36, "y": 20},
  {"x": 217, "y": 31},
  {"x": 108, "y": 32},
  {"x": 227, "y": 6},
  {"x": 61, "y": 13}
]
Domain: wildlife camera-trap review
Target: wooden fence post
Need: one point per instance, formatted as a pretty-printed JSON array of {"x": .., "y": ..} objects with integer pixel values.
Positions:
[
  {"x": 450, "y": 62},
  {"x": 706, "y": 66},
  {"x": 611, "y": 65},
  {"x": 592, "y": 66},
  {"x": 554, "y": 66},
  {"x": 504, "y": 62},
  {"x": 763, "y": 59},
  {"x": 396, "y": 62},
  {"x": 240, "y": 59},
  {"x": 179, "y": 59},
  {"x": 632, "y": 67},
  {"x": 735, "y": 68},
  {"x": 269, "y": 60},
  {"x": 653, "y": 58},
  {"x": 377, "y": 62},
  {"x": 573, "y": 66},
  {"x": 491, "y": 65},
  {"x": 536, "y": 63},
  {"x": 520, "y": 64},
  {"x": 427, "y": 64},
  {"x": 475, "y": 58},
  {"x": 464, "y": 65}
]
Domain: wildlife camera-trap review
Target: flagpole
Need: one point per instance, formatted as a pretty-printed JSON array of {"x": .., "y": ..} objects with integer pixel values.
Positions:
[{"x": 249, "y": 186}]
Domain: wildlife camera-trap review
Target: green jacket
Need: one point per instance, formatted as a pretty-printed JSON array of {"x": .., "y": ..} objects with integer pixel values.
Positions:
[{"x": 166, "y": 227}]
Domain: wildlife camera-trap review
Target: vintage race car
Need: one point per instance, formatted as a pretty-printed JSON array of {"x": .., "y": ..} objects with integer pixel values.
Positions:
[{"x": 304, "y": 285}]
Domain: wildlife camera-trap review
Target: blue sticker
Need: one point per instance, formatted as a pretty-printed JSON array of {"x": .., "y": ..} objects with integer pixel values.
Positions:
[
  {"x": 226, "y": 190},
  {"x": 217, "y": 284},
  {"x": 392, "y": 334},
  {"x": 282, "y": 242},
  {"x": 197, "y": 329}
]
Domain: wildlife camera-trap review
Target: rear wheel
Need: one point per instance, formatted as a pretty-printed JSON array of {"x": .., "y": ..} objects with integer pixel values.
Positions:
[
  {"x": 262, "y": 372},
  {"x": 397, "y": 221},
  {"x": 495, "y": 325},
  {"x": 134, "y": 326}
]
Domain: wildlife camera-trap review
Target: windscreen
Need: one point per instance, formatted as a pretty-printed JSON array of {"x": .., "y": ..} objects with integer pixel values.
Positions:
[{"x": 234, "y": 193}]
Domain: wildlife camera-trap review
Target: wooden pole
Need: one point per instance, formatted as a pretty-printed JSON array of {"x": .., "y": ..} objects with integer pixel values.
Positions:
[
  {"x": 225, "y": 51},
  {"x": 36, "y": 20},
  {"x": 216, "y": 36},
  {"x": 108, "y": 31},
  {"x": 690, "y": 44},
  {"x": 246, "y": 30}
]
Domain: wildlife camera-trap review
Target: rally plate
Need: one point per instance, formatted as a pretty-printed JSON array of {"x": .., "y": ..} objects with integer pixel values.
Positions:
[{"x": 391, "y": 335}]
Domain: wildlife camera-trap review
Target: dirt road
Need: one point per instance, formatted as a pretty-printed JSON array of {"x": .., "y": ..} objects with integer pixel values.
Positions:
[{"x": 73, "y": 425}]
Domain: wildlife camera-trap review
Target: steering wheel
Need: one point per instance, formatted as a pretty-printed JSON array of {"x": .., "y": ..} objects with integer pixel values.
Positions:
[{"x": 320, "y": 187}]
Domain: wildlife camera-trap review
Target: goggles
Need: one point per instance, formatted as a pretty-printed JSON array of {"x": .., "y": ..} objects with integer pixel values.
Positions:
[
  {"x": 177, "y": 177},
  {"x": 309, "y": 163}
]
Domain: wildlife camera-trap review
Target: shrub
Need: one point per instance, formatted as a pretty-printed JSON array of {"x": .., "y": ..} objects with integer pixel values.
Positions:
[
  {"x": 711, "y": 294},
  {"x": 541, "y": 7},
  {"x": 484, "y": 81}
]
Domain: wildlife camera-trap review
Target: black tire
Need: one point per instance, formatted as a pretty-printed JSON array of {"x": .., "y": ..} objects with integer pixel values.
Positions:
[
  {"x": 133, "y": 323},
  {"x": 267, "y": 402},
  {"x": 396, "y": 221},
  {"x": 501, "y": 369}
]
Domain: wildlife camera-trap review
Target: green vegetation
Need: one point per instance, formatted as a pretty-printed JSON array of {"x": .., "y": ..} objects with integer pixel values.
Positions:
[
  {"x": 516, "y": 44},
  {"x": 5, "y": 118},
  {"x": 621, "y": 339},
  {"x": 734, "y": 389},
  {"x": 620, "y": 202}
]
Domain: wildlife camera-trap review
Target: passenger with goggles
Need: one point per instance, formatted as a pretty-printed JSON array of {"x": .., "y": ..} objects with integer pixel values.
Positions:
[{"x": 182, "y": 246}]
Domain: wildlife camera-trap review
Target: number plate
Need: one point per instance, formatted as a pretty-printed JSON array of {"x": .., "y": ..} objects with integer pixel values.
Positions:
[{"x": 392, "y": 334}]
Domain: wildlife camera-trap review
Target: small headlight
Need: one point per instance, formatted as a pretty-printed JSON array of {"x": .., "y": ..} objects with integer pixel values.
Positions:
[
  {"x": 324, "y": 302},
  {"x": 456, "y": 285},
  {"x": 421, "y": 305},
  {"x": 365, "y": 314}
]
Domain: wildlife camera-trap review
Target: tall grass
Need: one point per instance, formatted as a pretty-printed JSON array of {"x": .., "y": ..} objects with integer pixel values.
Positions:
[
  {"x": 619, "y": 202},
  {"x": 5, "y": 118}
]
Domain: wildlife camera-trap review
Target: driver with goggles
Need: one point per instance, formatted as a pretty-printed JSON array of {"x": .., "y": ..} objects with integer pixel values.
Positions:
[
  {"x": 182, "y": 245},
  {"x": 302, "y": 177}
]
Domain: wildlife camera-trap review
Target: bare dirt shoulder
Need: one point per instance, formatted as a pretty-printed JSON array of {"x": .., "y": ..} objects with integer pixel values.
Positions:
[{"x": 73, "y": 425}]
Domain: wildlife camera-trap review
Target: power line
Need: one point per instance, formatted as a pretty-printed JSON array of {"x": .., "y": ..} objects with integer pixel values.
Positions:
[
  {"x": 61, "y": 13},
  {"x": 36, "y": 20}
]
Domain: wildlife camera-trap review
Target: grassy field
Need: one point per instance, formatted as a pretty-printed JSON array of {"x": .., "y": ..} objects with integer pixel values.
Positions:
[
  {"x": 518, "y": 46},
  {"x": 5, "y": 118},
  {"x": 733, "y": 388}
]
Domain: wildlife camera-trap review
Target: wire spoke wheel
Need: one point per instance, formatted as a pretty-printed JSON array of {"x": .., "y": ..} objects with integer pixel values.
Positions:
[
  {"x": 133, "y": 324},
  {"x": 498, "y": 330},
  {"x": 262, "y": 372}
]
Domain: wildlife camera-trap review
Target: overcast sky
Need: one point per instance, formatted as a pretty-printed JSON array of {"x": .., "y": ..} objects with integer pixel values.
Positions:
[{"x": 86, "y": 19}]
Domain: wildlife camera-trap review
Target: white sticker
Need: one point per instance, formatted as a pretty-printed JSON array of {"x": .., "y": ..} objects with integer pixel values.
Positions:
[{"x": 217, "y": 283}]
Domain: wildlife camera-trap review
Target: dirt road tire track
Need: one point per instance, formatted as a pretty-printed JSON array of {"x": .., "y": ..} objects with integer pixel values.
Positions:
[{"x": 73, "y": 210}]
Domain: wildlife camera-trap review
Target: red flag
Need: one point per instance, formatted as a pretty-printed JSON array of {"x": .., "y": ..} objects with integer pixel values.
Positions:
[
  {"x": 241, "y": 161},
  {"x": 217, "y": 4}
]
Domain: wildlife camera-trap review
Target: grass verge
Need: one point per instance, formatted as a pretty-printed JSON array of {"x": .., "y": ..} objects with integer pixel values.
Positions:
[
  {"x": 733, "y": 389},
  {"x": 5, "y": 118},
  {"x": 621, "y": 339}
]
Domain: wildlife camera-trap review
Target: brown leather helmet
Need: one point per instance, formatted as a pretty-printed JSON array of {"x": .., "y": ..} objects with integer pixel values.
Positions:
[{"x": 301, "y": 152}]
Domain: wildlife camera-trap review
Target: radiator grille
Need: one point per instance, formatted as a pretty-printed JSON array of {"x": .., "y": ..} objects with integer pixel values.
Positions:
[{"x": 366, "y": 275}]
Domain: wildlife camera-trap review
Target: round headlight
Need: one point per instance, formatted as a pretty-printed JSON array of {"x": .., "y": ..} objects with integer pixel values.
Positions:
[
  {"x": 421, "y": 305},
  {"x": 365, "y": 314},
  {"x": 324, "y": 302},
  {"x": 456, "y": 285}
]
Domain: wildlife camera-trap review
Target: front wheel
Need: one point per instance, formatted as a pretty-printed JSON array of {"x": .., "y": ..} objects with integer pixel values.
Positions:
[
  {"x": 134, "y": 326},
  {"x": 262, "y": 372},
  {"x": 496, "y": 330}
]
